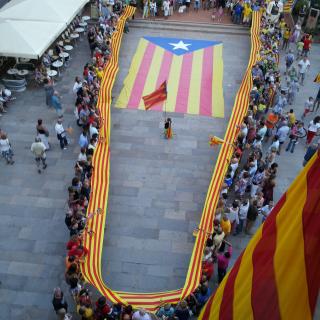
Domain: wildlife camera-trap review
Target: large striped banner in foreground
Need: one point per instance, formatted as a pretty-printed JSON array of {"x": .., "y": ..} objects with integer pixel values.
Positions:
[
  {"x": 193, "y": 70},
  {"x": 277, "y": 276},
  {"x": 94, "y": 234}
]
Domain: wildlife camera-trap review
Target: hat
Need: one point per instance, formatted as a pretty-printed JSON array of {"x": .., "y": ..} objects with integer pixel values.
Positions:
[{"x": 60, "y": 43}]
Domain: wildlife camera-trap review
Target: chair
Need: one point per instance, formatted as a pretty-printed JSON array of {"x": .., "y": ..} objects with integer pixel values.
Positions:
[
  {"x": 52, "y": 55},
  {"x": 17, "y": 85},
  {"x": 65, "y": 38},
  {"x": 26, "y": 66}
]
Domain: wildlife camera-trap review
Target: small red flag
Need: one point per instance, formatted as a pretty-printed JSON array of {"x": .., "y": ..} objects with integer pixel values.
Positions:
[{"x": 155, "y": 97}]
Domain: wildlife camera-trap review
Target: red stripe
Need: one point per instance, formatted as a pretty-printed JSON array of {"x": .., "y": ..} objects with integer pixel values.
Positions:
[
  {"x": 164, "y": 74},
  {"x": 184, "y": 84},
  {"x": 311, "y": 232},
  {"x": 154, "y": 97},
  {"x": 159, "y": 91},
  {"x": 264, "y": 285},
  {"x": 154, "y": 101},
  {"x": 206, "y": 82},
  {"x": 207, "y": 308},
  {"x": 137, "y": 89},
  {"x": 226, "y": 306}
]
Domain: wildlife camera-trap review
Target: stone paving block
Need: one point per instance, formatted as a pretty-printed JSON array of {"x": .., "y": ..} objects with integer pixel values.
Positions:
[
  {"x": 180, "y": 272},
  {"x": 173, "y": 225},
  {"x": 4, "y": 266},
  {"x": 134, "y": 268},
  {"x": 182, "y": 247},
  {"x": 188, "y": 205},
  {"x": 161, "y": 246},
  {"x": 5, "y": 311},
  {"x": 120, "y": 281},
  {"x": 112, "y": 266},
  {"x": 132, "y": 220},
  {"x": 164, "y": 205},
  {"x": 160, "y": 270},
  {"x": 173, "y": 235},
  {"x": 137, "y": 232},
  {"x": 25, "y": 269},
  {"x": 32, "y": 298},
  {"x": 54, "y": 233},
  {"x": 40, "y": 285},
  {"x": 17, "y": 245},
  {"x": 124, "y": 191},
  {"x": 154, "y": 283},
  {"x": 175, "y": 214},
  {"x": 45, "y": 246},
  {"x": 184, "y": 196}
]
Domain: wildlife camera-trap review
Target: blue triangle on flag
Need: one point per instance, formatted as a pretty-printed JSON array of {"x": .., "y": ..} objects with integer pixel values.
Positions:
[{"x": 179, "y": 46}]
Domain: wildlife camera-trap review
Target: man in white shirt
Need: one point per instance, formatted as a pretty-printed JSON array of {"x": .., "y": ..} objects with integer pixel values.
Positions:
[
  {"x": 61, "y": 134},
  {"x": 262, "y": 130},
  {"x": 282, "y": 133},
  {"x": 265, "y": 210},
  {"x": 141, "y": 314},
  {"x": 274, "y": 10},
  {"x": 313, "y": 128},
  {"x": 304, "y": 66},
  {"x": 77, "y": 85},
  {"x": 38, "y": 149},
  {"x": 93, "y": 129},
  {"x": 243, "y": 210}
]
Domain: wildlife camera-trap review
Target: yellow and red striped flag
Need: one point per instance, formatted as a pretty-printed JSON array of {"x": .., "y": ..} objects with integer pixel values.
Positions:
[
  {"x": 214, "y": 140},
  {"x": 193, "y": 69},
  {"x": 155, "y": 97},
  {"x": 277, "y": 276},
  {"x": 317, "y": 78}
]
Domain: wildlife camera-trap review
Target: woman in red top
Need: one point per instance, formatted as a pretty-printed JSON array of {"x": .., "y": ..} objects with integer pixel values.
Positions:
[
  {"x": 78, "y": 251},
  {"x": 306, "y": 45}
]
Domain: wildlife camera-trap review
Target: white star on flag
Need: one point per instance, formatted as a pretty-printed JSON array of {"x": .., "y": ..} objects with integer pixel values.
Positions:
[{"x": 180, "y": 45}]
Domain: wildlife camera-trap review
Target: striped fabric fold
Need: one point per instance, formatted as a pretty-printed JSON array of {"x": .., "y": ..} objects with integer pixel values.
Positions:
[{"x": 281, "y": 262}]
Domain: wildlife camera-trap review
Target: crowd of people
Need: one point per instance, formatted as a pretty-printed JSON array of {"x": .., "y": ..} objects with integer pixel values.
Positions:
[
  {"x": 248, "y": 188},
  {"x": 247, "y": 191}
]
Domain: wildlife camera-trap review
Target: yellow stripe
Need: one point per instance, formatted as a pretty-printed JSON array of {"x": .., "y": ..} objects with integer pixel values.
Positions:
[
  {"x": 243, "y": 284},
  {"x": 195, "y": 83},
  {"x": 215, "y": 306},
  {"x": 173, "y": 82},
  {"x": 290, "y": 247},
  {"x": 151, "y": 80},
  {"x": 217, "y": 86},
  {"x": 123, "y": 99}
]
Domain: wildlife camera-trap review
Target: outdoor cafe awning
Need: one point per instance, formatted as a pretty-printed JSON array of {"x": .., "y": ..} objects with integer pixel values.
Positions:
[
  {"x": 27, "y": 39},
  {"x": 42, "y": 10},
  {"x": 28, "y": 27}
]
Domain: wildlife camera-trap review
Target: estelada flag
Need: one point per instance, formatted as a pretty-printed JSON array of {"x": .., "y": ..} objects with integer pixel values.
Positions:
[
  {"x": 277, "y": 276},
  {"x": 193, "y": 70},
  {"x": 215, "y": 140},
  {"x": 317, "y": 78},
  {"x": 155, "y": 97}
]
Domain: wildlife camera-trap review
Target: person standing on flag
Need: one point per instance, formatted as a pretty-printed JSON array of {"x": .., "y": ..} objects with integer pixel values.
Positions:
[{"x": 168, "y": 129}]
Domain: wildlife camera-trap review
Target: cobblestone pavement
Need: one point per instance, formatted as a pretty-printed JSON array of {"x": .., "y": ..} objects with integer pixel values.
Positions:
[{"x": 156, "y": 195}]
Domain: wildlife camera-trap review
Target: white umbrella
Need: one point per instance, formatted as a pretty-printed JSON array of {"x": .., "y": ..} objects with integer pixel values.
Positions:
[
  {"x": 42, "y": 10},
  {"x": 27, "y": 39}
]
